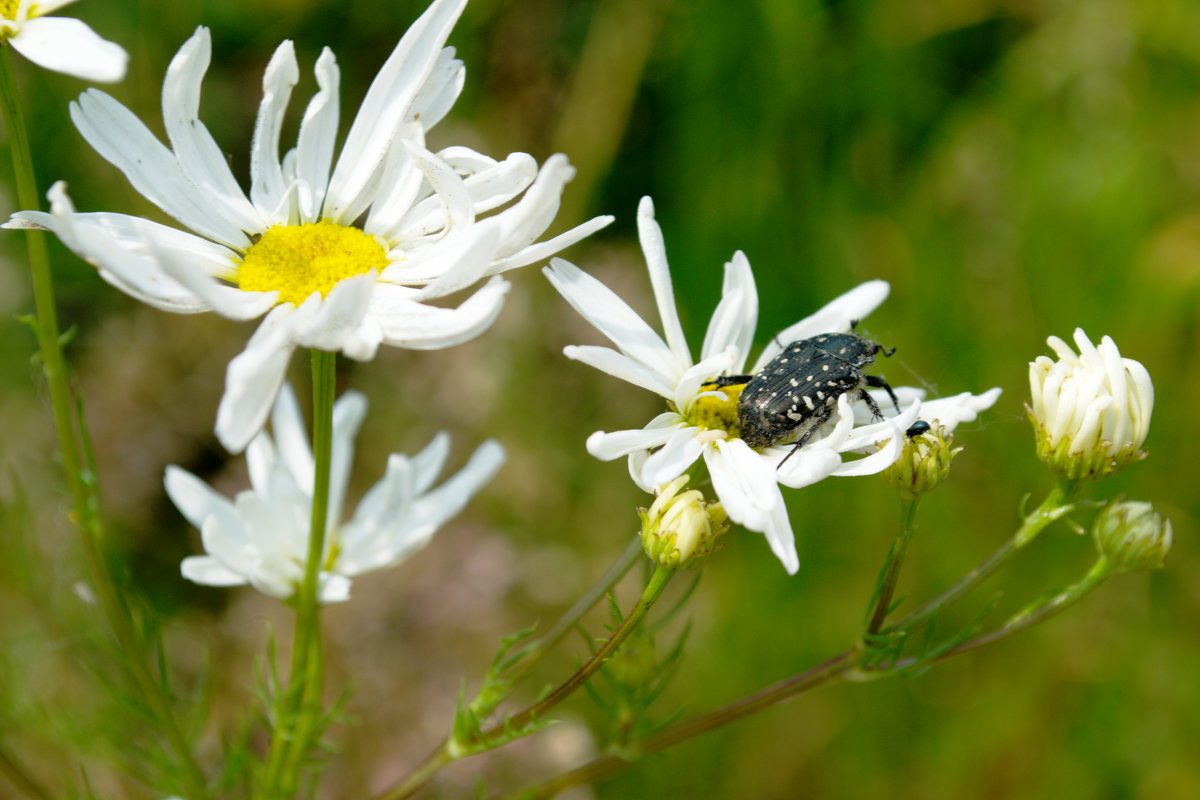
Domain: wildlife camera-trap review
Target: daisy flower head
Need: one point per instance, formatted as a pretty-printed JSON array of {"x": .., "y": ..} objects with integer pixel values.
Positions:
[
  {"x": 261, "y": 537},
  {"x": 60, "y": 44},
  {"x": 1090, "y": 411},
  {"x": 701, "y": 419},
  {"x": 340, "y": 254}
]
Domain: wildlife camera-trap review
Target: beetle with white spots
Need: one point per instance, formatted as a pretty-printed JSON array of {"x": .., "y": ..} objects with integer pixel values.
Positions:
[{"x": 797, "y": 391}]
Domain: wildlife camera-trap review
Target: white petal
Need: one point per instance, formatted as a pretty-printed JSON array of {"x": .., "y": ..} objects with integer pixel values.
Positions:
[
  {"x": 195, "y": 499},
  {"x": 253, "y": 379},
  {"x": 695, "y": 377},
  {"x": 877, "y": 461},
  {"x": 395, "y": 528},
  {"x": 616, "y": 320},
  {"x": 533, "y": 213},
  {"x": 348, "y": 415},
  {"x": 620, "y": 366},
  {"x": 543, "y": 250},
  {"x": 464, "y": 256},
  {"x": 863, "y": 438},
  {"x": 117, "y": 246},
  {"x": 332, "y": 588},
  {"x": 450, "y": 192},
  {"x": 407, "y": 323},
  {"x": 609, "y": 446},
  {"x": 745, "y": 482},
  {"x": 290, "y": 435},
  {"x": 121, "y": 138},
  {"x": 228, "y": 301},
  {"x": 268, "y": 188},
  {"x": 229, "y": 545},
  {"x": 66, "y": 45},
  {"x": 395, "y": 214},
  {"x": 335, "y": 322},
  {"x": 673, "y": 458},
  {"x": 201, "y": 159},
  {"x": 497, "y": 183},
  {"x": 210, "y": 572},
  {"x": 655, "y": 251},
  {"x": 736, "y": 316},
  {"x": 804, "y": 467},
  {"x": 318, "y": 135},
  {"x": 834, "y": 316},
  {"x": 387, "y": 104},
  {"x": 965, "y": 407},
  {"x": 440, "y": 89}
]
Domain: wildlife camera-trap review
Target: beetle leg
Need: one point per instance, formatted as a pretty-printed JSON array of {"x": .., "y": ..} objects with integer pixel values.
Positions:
[
  {"x": 728, "y": 380},
  {"x": 819, "y": 418},
  {"x": 871, "y": 404},
  {"x": 877, "y": 382}
]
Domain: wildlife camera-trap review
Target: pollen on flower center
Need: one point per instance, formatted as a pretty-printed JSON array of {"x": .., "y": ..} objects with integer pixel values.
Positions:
[
  {"x": 711, "y": 412},
  {"x": 8, "y": 9},
  {"x": 297, "y": 260}
]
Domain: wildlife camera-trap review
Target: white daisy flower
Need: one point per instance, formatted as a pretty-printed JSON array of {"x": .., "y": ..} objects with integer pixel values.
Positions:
[
  {"x": 1091, "y": 411},
  {"x": 261, "y": 538},
  {"x": 700, "y": 421},
  {"x": 293, "y": 249},
  {"x": 60, "y": 44}
]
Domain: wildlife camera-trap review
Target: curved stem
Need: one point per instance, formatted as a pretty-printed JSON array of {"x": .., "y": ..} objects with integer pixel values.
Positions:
[
  {"x": 654, "y": 588},
  {"x": 298, "y": 715},
  {"x": 450, "y": 751},
  {"x": 53, "y": 363},
  {"x": 1056, "y": 505},
  {"x": 1101, "y": 571},
  {"x": 83, "y": 487},
  {"x": 607, "y": 766},
  {"x": 836, "y": 668},
  {"x": 891, "y": 571},
  {"x": 570, "y": 619}
]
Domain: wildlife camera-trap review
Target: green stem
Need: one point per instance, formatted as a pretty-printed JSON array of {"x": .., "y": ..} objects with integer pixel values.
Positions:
[
  {"x": 1057, "y": 504},
  {"x": 537, "y": 651},
  {"x": 53, "y": 363},
  {"x": 654, "y": 589},
  {"x": 450, "y": 751},
  {"x": 299, "y": 714},
  {"x": 1101, "y": 571},
  {"x": 839, "y": 667},
  {"x": 82, "y": 487},
  {"x": 886, "y": 586},
  {"x": 607, "y": 766}
]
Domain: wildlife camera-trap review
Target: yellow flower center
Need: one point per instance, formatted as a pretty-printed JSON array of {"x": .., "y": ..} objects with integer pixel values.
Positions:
[
  {"x": 8, "y": 9},
  {"x": 711, "y": 412},
  {"x": 298, "y": 260}
]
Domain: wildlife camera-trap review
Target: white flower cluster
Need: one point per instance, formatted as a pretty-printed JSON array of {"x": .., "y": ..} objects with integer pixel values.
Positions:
[{"x": 261, "y": 538}]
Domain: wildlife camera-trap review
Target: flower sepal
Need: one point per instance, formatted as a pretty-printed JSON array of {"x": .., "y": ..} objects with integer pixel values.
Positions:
[{"x": 1132, "y": 536}]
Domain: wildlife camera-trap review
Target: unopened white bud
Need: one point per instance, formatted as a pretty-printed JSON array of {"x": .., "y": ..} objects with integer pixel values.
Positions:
[{"x": 1091, "y": 411}]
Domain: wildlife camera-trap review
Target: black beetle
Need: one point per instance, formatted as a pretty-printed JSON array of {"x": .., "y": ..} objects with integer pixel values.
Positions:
[
  {"x": 917, "y": 428},
  {"x": 798, "y": 389}
]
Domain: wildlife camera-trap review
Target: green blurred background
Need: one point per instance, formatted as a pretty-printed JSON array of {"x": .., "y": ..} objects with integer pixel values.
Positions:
[{"x": 1013, "y": 169}]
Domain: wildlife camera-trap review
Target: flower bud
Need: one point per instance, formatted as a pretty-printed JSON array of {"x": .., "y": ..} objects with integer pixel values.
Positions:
[
  {"x": 679, "y": 530},
  {"x": 1091, "y": 411},
  {"x": 924, "y": 462},
  {"x": 1132, "y": 536}
]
